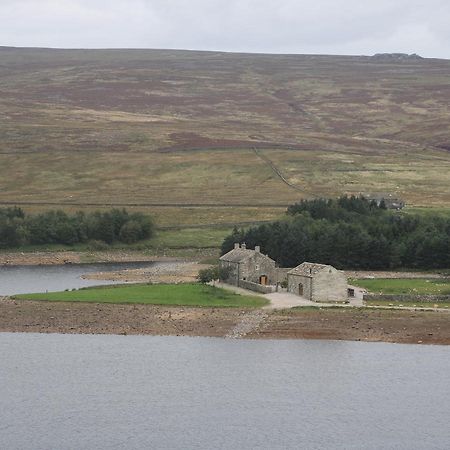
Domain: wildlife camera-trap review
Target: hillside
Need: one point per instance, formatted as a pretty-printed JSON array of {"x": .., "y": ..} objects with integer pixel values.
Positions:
[{"x": 170, "y": 131}]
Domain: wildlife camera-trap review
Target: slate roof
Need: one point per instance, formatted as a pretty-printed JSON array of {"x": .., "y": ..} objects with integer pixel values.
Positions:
[
  {"x": 308, "y": 269},
  {"x": 239, "y": 255}
]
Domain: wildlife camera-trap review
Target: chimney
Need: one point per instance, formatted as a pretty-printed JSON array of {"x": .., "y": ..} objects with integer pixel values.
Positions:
[
  {"x": 236, "y": 245},
  {"x": 257, "y": 248},
  {"x": 244, "y": 246}
]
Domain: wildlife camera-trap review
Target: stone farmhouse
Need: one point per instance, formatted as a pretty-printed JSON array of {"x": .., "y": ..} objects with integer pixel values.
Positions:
[
  {"x": 249, "y": 268},
  {"x": 318, "y": 282}
]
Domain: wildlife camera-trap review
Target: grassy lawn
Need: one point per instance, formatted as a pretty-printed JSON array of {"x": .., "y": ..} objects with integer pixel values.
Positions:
[
  {"x": 160, "y": 294},
  {"x": 410, "y": 286}
]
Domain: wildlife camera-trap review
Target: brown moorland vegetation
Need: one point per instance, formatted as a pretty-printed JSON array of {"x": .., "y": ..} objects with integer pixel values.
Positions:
[{"x": 163, "y": 131}]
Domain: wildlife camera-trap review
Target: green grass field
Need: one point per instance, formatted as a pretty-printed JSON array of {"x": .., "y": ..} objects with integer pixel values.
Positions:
[
  {"x": 160, "y": 294},
  {"x": 405, "y": 286}
]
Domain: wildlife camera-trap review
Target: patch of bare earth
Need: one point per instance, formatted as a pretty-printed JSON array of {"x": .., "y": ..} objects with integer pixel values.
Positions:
[
  {"x": 172, "y": 272},
  {"x": 88, "y": 318},
  {"x": 51, "y": 258},
  {"x": 341, "y": 324},
  {"x": 410, "y": 327}
]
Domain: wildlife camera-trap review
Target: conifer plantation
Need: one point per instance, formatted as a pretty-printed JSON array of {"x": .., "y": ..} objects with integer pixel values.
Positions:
[
  {"x": 351, "y": 233},
  {"x": 56, "y": 227}
]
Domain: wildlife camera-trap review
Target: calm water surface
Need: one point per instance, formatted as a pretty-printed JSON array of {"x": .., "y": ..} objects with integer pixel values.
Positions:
[
  {"x": 26, "y": 279},
  {"x": 143, "y": 392}
]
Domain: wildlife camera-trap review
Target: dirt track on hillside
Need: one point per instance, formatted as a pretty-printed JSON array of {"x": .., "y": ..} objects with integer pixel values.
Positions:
[{"x": 340, "y": 324}]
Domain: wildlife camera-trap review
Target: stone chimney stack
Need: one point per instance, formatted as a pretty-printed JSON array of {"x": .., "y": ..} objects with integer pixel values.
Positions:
[
  {"x": 257, "y": 248},
  {"x": 236, "y": 245},
  {"x": 244, "y": 246}
]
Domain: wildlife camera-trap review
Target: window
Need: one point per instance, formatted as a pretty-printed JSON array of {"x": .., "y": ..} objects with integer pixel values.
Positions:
[{"x": 256, "y": 266}]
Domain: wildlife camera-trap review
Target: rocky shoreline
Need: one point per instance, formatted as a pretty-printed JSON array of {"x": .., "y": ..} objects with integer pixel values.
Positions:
[
  {"x": 354, "y": 324},
  {"x": 72, "y": 257},
  {"x": 308, "y": 323},
  {"x": 165, "y": 272}
]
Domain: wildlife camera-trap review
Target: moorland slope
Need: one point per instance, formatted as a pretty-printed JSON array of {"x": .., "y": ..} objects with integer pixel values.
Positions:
[{"x": 174, "y": 131}]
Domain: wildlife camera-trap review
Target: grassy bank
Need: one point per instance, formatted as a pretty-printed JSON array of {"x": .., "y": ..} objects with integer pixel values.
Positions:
[
  {"x": 161, "y": 294},
  {"x": 405, "y": 286},
  {"x": 191, "y": 243}
]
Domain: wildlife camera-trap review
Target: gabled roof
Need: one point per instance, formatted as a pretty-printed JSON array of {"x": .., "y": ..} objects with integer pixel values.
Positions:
[
  {"x": 308, "y": 269},
  {"x": 237, "y": 255},
  {"x": 241, "y": 254}
]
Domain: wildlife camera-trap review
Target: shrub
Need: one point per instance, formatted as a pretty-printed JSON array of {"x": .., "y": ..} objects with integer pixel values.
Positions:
[{"x": 208, "y": 275}]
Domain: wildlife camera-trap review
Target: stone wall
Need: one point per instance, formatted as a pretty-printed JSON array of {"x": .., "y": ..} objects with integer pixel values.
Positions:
[
  {"x": 253, "y": 268},
  {"x": 293, "y": 285},
  {"x": 256, "y": 287},
  {"x": 329, "y": 285},
  {"x": 232, "y": 272},
  {"x": 282, "y": 274},
  {"x": 408, "y": 298}
]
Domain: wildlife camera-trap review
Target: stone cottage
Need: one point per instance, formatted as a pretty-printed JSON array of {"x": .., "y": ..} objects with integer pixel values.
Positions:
[
  {"x": 318, "y": 282},
  {"x": 247, "y": 266}
]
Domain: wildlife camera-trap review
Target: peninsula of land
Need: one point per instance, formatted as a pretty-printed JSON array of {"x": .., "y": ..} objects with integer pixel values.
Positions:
[{"x": 355, "y": 324}]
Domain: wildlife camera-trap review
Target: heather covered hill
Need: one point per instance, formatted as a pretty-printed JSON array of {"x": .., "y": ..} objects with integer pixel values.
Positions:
[{"x": 146, "y": 127}]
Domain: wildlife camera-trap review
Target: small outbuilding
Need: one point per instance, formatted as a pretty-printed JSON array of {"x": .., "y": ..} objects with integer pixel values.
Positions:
[
  {"x": 251, "y": 266},
  {"x": 318, "y": 283}
]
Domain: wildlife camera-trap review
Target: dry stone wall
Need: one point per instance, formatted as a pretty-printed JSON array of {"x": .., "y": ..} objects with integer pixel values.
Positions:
[
  {"x": 256, "y": 287},
  {"x": 408, "y": 298}
]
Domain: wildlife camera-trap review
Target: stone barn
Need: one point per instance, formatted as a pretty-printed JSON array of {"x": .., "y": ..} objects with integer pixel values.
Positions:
[
  {"x": 318, "y": 282},
  {"x": 248, "y": 266}
]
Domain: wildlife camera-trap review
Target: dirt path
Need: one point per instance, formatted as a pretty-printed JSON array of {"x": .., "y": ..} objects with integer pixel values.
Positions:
[
  {"x": 249, "y": 324},
  {"x": 278, "y": 173}
]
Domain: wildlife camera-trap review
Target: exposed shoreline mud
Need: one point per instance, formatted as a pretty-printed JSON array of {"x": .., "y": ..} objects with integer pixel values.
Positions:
[
  {"x": 352, "y": 324},
  {"x": 69, "y": 257},
  {"x": 87, "y": 318},
  {"x": 170, "y": 272}
]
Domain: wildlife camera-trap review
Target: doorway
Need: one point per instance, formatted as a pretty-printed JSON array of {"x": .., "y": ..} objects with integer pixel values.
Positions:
[
  {"x": 300, "y": 289},
  {"x": 263, "y": 280}
]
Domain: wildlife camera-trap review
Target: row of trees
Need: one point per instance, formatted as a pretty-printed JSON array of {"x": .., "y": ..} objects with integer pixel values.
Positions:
[
  {"x": 57, "y": 227},
  {"x": 351, "y": 233}
]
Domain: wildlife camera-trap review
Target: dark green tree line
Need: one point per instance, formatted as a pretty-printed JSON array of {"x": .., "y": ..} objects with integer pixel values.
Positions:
[
  {"x": 58, "y": 227},
  {"x": 353, "y": 233}
]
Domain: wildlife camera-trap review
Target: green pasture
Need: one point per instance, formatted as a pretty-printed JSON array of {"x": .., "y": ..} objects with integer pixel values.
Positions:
[
  {"x": 158, "y": 294},
  {"x": 405, "y": 286}
]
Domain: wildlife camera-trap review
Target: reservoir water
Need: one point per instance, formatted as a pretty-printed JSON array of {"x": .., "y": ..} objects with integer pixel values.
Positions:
[
  {"x": 26, "y": 279},
  {"x": 143, "y": 392}
]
